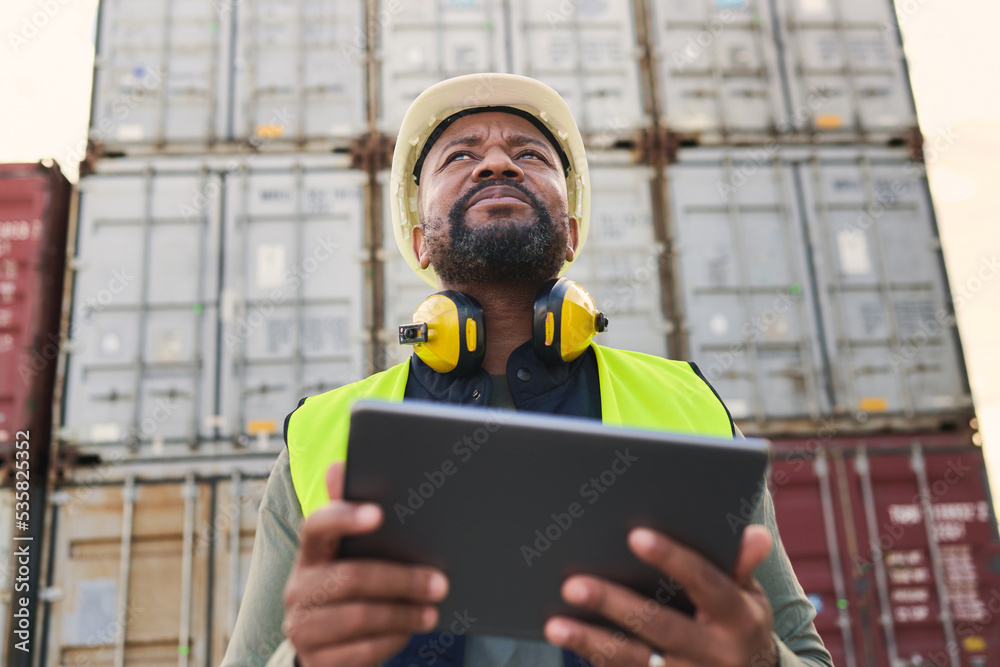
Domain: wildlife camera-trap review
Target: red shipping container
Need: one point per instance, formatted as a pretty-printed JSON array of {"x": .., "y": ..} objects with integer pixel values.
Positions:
[
  {"x": 894, "y": 540},
  {"x": 34, "y": 212}
]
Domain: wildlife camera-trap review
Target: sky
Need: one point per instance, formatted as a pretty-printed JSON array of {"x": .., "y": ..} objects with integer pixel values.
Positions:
[{"x": 953, "y": 52}]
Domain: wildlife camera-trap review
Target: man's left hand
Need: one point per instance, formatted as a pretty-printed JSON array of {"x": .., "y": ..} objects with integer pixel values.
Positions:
[{"x": 732, "y": 626}]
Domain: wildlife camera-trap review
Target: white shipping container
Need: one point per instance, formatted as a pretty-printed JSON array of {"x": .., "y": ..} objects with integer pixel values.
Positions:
[
  {"x": 718, "y": 69},
  {"x": 147, "y": 571},
  {"x": 161, "y": 75},
  {"x": 421, "y": 43},
  {"x": 210, "y": 296},
  {"x": 886, "y": 306},
  {"x": 142, "y": 336},
  {"x": 847, "y": 76},
  {"x": 814, "y": 285},
  {"x": 588, "y": 52},
  {"x": 299, "y": 72},
  {"x": 294, "y": 316},
  {"x": 747, "y": 302}
]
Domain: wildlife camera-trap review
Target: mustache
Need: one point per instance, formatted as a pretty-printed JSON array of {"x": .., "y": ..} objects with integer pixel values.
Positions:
[{"x": 463, "y": 202}]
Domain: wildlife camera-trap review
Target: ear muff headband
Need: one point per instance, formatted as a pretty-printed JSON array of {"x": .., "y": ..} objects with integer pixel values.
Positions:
[{"x": 449, "y": 335}]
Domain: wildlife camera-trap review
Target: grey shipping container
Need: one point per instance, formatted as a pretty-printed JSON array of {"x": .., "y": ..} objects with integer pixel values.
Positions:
[
  {"x": 294, "y": 291},
  {"x": 619, "y": 266},
  {"x": 185, "y": 77},
  {"x": 884, "y": 295},
  {"x": 211, "y": 294},
  {"x": 718, "y": 71},
  {"x": 747, "y": 307},
  {"x": 161, "y": 75},
  {"x": 147, "y": 571},
  {"x": 588, "y": 52},
  {"x": 421, "y": 43},
  {"x": 739, "y": 71},
  {"x": 143, "y": 331},
  {"x": 847, "y": 75},
  {"x": 814, "y": 286},
  {"x": 299, "y": 73}
]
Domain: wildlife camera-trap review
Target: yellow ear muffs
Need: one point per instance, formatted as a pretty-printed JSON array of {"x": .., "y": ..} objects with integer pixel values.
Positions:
[
  {"x": 447, "y": 333},
  {"x": 566, "y": 319}
]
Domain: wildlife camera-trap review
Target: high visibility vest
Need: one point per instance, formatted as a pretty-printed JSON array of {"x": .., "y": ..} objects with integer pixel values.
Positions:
[{"x": 637, "y": 390}]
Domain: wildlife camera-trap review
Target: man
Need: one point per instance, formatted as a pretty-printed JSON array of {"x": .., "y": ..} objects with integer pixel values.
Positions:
[{"x": 491, "y": 193}]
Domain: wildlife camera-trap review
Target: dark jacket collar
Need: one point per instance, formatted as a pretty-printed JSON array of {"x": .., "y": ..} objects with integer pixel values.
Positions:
[{"x": 568, "y": 389}]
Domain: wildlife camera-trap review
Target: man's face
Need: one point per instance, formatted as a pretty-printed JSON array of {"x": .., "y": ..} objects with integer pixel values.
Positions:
[{"x": 493, "y": 205}]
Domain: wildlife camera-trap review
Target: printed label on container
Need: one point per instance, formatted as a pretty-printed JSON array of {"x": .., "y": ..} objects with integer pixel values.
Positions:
[
  {"x": 270, "y": 265},
  {"x": 852, "y": 246}
]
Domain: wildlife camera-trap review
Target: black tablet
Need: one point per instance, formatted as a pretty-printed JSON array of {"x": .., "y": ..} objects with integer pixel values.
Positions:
[{"x": 510, "y": 504}]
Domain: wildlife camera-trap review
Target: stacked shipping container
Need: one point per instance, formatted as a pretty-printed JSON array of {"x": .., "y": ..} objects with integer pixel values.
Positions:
[{"x": 757, "y": 209}]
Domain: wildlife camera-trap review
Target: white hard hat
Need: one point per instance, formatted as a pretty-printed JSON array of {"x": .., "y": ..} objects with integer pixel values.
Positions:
[{"x": 519, "y": 95}]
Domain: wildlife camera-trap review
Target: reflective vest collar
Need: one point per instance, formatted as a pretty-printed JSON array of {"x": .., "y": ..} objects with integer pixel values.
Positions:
[{"x": 637, "y": 390}]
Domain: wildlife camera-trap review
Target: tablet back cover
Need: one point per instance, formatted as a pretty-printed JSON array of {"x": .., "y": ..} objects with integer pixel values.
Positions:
[{"x": 510, "y": 504}]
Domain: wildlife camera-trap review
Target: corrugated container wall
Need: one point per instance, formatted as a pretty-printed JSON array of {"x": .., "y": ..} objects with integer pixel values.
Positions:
[
  {"x": 161, "y": 76},
  {"x": 244, "y": 291},
  {"x": 143, "y": 332},
  {"x": 148, "y": 570},
  {"x": 191, "y": 77},
  {"x": 894, "y": 540},
  {"x": 804, "y": 70},
  {"x": 299, "y": 72},
  {"x": 814, "y": 288},
  {"x": 293, "y": 293}
]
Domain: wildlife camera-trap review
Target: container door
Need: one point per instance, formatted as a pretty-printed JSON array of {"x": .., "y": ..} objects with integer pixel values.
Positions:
[
  {"x": 935, "y": 596},
  {"x": 719, "y": 77},
  {"x": 748, "y": 305},
  {"x": 587, "y": 51},
  {"x": 421, "y": 43},
  {"x": 848, "y": 53},
  {"x": 162, "y": 74},
  {"x": 143, "y": 327},
  {"x": 300, "y": 71},
  {"x": 294, "y": 316},
  {"x": 131, "y": 582},
  {"x": 883, "y": 294}
]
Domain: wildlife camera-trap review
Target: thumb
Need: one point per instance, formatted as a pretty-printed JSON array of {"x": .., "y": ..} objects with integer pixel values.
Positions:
[
  {"x": 754, "y": 549},
  {"x": 335, "y": 480}
]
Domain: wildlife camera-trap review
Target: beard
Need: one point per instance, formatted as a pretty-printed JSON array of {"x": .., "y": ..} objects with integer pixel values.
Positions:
[{"x": 506, "y": 249}]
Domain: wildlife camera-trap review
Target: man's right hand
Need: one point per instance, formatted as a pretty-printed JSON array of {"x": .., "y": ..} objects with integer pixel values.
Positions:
[{"x": 353, "y": 612}]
